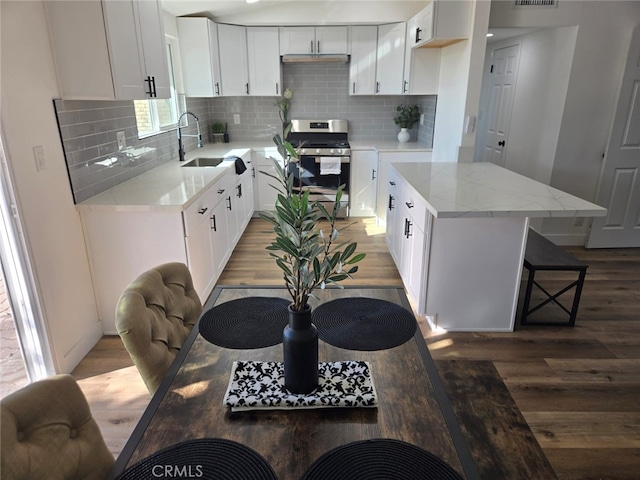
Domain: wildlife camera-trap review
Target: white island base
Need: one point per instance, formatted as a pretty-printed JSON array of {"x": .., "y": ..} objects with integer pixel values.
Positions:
[
  {"x": 458, "y": 234},
  {"x": 473, "y": 279}
]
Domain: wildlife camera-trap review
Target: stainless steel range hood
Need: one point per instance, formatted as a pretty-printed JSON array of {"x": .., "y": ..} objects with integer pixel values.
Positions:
[{"x": 315, "y": 58}]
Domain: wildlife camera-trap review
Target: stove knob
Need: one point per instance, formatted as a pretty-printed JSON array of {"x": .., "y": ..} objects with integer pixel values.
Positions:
[
  {"x": 318, "y": 150},
  {"x": 332, "y": 151},
  {"x": 303, "y": 151}
]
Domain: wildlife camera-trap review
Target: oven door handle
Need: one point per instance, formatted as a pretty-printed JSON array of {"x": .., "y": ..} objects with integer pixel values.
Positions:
[{"x": 342, "y": 159}]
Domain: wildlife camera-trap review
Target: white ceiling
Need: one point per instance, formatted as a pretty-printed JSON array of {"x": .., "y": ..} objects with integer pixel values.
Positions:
[{"x": 297, "y": 12}]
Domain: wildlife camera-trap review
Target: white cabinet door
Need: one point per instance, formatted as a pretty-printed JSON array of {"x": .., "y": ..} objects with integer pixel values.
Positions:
[
  {"x": 332, "y": 40},
  {"x": 297, "y": 40},
  {"x": 390, "y": 58},
  {"x": 362, "y": 68},
  {"x": 232, "y": 42},
  {"x": 265, "y": 68},
  {"x": 108, "y": 50},
  {"x": 442, "y": 23},
  {"x": 364, "y": 183},
  {"x": 394, "y": 218},
  {"x": 154, "y": 47},
  {"x": 267, "y": 194},
  {"x": 199, "y": 55},
  {"x": 303, "y": 40},
  {"x": 220, "y": 237},
  {"x": 198, "y": 240},
  {"x": 421, "y": 66}
]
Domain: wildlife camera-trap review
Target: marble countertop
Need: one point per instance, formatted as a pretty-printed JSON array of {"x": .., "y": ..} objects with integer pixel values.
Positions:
[
  {"x": 171, "y": 187},
  {"x": 388, "y": 146},
  {"x": 167, "y": 187},
  {"x": 453, "y": 190}
]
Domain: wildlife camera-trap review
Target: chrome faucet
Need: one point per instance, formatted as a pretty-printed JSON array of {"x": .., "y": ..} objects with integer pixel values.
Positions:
[{"x": 180, "y": 135}]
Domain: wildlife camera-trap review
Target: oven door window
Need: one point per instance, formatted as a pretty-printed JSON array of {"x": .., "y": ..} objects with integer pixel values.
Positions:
[{"x": 307, "y": 173}]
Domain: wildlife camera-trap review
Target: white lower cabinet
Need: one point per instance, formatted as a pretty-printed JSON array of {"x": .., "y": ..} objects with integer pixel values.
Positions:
[
  {"x": 407, "y": 236},
  {"x": 364, "y": 183},
  {"x": 384, "y": 160},
  {"x": 267, "y": 195},
  {"x": 124, "y": 243}
]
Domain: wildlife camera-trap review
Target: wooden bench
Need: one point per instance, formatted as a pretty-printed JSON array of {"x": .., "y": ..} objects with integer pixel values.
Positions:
[{"x": 542, "y": 254}]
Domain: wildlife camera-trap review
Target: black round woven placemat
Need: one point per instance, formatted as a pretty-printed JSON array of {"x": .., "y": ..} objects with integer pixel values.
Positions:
[
  {"x": 251, "y": 322},
  {"x": 380, "y": 459},
  {"x": 203, "y": 458},
  {"x": 360, "y": 323}
]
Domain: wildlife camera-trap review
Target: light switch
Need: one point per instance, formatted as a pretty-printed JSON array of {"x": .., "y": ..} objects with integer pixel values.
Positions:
[{"x": 38, "y": 154}]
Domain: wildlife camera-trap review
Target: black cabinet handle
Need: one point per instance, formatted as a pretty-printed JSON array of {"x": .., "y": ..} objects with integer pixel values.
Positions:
[
  {"x": 354, "y": 88},
  {"x": 318, "y": 42},
  {"x": 377, "y": 87},
  {"x": 217, "y": 88},
  {"x": 246, "y": 86},
  {"x": 150, "y": 91},
  {"x": 373, "y": 174},
  {"x": 221, "y": 191},
  {"x": 405, "y": 87},
  {"x": 253, "y": 172},
  {"x": 409, "y": 204},
  {"x": 277, "y": 89},
  {"x": 391, "y": 205},
  {"x": 311, "y": 46},
  {"x": 229, "y": 203},
  {"x": 153, "y": 82},
  {"x": 501, "y": 143},
  {"x": 239, "y": 193},
  {"x": 214, "y": 227},
  {"x": 202, "y": 211},
  {"x": 418, "y": 30},
  {"x": 393, "y": 184},
  {"x": 409, "y": 225}
]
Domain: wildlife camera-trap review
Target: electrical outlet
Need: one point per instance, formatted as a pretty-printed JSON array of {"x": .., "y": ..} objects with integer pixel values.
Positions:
[
  {"x": 236, "y": 118},
  {"x": 422, "y": 119},
  {"x": 122, "y": 141}
]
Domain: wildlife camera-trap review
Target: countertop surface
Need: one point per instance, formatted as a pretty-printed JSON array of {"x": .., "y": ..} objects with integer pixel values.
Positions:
[
  {"x": 167, "y": 187},
  {"x": 172, "y": 187},
  {"x": 453, "y": 190}
]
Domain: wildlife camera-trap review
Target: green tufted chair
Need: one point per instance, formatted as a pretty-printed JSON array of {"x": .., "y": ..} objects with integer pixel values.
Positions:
[
  {"x": 154, "y": 316},
  {"x": 47, "y": 432}
]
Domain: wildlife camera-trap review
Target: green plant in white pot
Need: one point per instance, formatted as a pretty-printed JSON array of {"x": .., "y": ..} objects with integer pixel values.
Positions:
[
  {"x": 307, "y": 250},
  {"x": 407, "y": 117}
]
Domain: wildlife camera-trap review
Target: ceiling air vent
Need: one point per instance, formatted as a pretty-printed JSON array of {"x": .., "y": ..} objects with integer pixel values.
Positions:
[{"x": 536, "y": 3}]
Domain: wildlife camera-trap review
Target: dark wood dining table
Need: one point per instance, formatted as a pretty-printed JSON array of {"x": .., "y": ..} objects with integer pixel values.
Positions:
[{"x": 412, "y": 405}]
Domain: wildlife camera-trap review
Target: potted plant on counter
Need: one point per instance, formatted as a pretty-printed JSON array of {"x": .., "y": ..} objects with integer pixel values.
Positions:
[
  {"x": 408, "y": 116},
  {"x": 307, "y": 250}
]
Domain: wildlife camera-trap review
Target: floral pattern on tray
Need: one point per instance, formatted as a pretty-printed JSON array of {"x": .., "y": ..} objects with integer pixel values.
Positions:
[{"x": 260, "y": 386}]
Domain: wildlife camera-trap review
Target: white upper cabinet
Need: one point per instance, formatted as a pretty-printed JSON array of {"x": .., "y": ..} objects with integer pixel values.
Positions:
[
  {"x": 390, "y": 59},
  {"x": 441, "y": 23},
  {"x": 108, "y": 50},
  {"x": 232, "y": 43},
  {"x": 362, "y": 68},
  {"x": 305, "y": 40},
  {"x": 421, "y": 66},
  {"x": 265, "y": 69},
  {"x": 200, "y": 58}
]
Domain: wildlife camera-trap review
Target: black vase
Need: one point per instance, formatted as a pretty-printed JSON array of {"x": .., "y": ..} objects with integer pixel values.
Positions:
[{"x": 300, "y": 344}]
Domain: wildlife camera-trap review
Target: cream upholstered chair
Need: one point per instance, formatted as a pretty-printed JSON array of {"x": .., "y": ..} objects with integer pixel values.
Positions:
[
  {"x": 47, "y": 431},
  {"x": 154, "y": 316}
]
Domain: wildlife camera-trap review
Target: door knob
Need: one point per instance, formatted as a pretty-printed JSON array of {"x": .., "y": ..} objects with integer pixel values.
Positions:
[{"x": 501, "y": 143}]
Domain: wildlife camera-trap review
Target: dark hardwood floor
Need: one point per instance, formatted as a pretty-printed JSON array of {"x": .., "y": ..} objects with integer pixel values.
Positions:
[{"x": 540, "y": 399}]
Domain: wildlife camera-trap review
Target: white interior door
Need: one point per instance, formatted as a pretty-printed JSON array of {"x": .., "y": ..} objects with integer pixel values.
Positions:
[
  {"x": 619, "y": 188},
  {"x": 501, "y": 91}
]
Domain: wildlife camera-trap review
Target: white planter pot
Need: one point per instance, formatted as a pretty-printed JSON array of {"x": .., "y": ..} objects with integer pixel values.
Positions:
[{"x": 403, "y": 135}]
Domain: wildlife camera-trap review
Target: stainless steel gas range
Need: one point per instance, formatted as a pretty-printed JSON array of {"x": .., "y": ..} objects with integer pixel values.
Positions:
[{"x": 325, "y": 160}]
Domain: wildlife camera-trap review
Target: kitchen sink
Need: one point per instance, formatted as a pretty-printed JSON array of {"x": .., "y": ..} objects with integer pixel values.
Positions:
[{"x": 204, "y": 162}]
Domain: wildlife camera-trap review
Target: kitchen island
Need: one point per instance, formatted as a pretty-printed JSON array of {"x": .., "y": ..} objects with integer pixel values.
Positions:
[{"x": 458, "y": 233}]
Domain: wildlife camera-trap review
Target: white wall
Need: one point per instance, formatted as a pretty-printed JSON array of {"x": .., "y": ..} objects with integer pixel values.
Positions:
[
  {"x": 538, "y": 103},
  {"x": 459, "y": 84},
  {"x": 598, "y": 64},
  {"x": 51, "y": 224}
]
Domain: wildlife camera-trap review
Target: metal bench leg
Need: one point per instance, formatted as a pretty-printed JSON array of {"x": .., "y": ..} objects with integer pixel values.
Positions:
[
  {"x": 527, "y": 297},
  {"x": 576, "y": 298}
]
